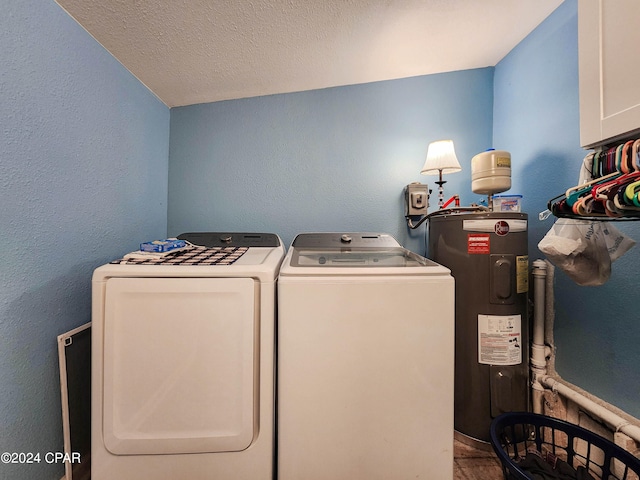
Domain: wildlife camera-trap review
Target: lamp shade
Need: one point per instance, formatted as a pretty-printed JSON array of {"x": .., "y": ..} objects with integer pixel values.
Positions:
[{"x": 441, "y": 157}]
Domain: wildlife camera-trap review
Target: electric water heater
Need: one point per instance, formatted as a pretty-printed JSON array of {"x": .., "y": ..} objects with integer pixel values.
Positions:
[{"x": 487, "y": 255}]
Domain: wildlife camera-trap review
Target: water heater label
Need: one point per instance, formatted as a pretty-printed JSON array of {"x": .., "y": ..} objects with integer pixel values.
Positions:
[
  {"x": 500, "y": 339},
  {"x": 478, "y": 243},
  {"x": 490, "y": 225}
]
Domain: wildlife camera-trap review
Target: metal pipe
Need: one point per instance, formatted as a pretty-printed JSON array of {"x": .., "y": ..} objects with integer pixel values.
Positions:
[
  {"x": 549, "y": 318},
  {"x": 538, "y": 354},
  {"x": 616, "y": 422},
  {"x": 543, "y": 284},
  {"x": 476, "y": 208}
]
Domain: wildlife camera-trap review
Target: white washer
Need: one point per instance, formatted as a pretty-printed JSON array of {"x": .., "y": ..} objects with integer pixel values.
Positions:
[
  {"x": 365, "y": 361},
  {"x": 183, "y": 364}
]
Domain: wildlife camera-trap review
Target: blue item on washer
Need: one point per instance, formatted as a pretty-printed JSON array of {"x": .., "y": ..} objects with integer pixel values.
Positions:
[{"x": 162, "y": 245}]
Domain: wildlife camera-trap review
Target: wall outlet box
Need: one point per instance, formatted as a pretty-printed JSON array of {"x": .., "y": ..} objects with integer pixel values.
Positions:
[{"x": 416, "y": 199}]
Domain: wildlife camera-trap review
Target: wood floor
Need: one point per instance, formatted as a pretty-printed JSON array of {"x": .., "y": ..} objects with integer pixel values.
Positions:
[{"x": 475, "y": 464}]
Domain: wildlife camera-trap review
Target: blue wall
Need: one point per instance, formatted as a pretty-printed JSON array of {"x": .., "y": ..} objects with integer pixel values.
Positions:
[
  {"x": 536, "y": 118},
  {"x": 83, "y": 177},
  {"x": 336, "y": 159}
]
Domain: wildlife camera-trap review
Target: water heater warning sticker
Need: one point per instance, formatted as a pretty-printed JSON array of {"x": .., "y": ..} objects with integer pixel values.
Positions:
[
  {"x": 499, "y": 339},
  {"x": 522, "y": 273},
  {"x": 478, "y": 243}
]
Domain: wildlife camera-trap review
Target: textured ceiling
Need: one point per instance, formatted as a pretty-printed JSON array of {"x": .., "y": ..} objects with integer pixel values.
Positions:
[{"x": 198, "y": 51}]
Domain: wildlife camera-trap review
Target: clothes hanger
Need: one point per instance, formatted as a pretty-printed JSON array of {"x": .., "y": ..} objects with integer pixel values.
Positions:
[
  {"x": 614, "y": 187},
  {"x": 635, "y": 154},
  {"x": 600, "y": 192},
  {"x": 574, "y": 193},
  {"x": 619, "y": 150},
  {"x": 626, "y": 166}
]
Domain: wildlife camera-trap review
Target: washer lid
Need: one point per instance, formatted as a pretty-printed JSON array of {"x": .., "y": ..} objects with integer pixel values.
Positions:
[
  {"x": 360, "y": 258},
  {"x": 352, "y": 250},
  {"x": 345, "y": 240}
]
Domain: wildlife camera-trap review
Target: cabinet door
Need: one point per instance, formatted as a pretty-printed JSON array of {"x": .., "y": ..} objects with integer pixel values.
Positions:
[{"x": 609, "y": 41}]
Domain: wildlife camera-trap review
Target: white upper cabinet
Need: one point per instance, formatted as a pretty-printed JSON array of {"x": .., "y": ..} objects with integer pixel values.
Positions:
[{"x": 609, "y": 47}]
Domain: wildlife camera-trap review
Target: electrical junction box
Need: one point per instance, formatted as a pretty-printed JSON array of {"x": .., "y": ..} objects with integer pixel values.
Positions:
[{"x": 416, "y": 199}]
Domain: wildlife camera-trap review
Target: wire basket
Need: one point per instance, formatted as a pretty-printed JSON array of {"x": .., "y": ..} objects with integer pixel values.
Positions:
[{"x": 517, "y": 437}]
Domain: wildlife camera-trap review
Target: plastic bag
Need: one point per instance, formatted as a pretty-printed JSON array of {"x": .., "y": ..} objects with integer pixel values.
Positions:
[{"x": 584, "y": 250}]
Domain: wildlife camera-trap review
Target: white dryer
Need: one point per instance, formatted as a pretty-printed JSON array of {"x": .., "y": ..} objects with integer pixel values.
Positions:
[
  {"x": 365, "y": 361},
  {"x": 183, "y": 362}
]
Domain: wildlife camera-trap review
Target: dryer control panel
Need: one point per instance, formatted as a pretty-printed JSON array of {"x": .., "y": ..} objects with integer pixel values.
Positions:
[{"x": 231, "y": 239}]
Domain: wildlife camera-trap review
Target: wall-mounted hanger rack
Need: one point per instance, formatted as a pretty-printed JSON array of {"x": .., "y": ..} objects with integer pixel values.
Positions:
[{"x": 613, "y": 191}]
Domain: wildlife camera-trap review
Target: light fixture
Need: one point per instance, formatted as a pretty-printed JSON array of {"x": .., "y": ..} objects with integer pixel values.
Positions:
[{"x": 441, "y": 159}]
